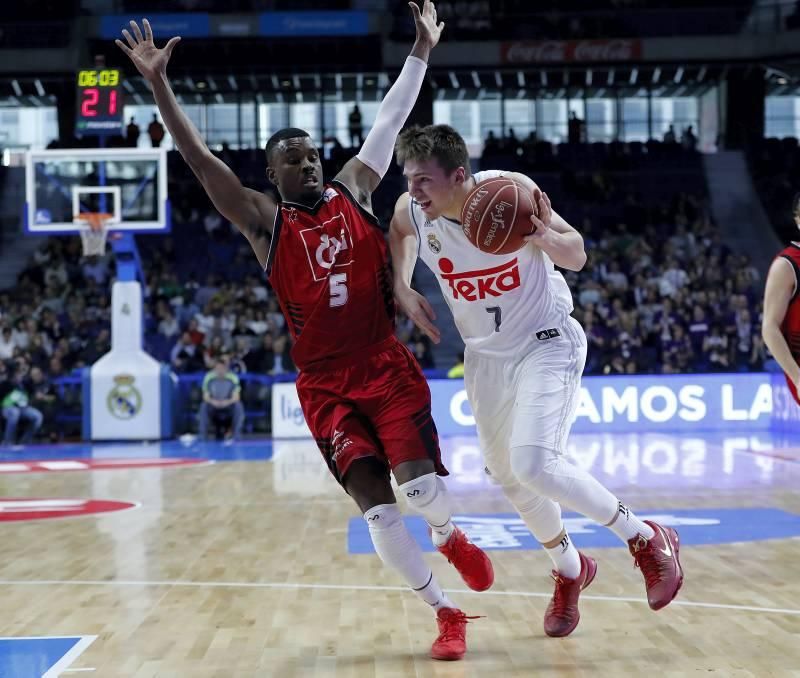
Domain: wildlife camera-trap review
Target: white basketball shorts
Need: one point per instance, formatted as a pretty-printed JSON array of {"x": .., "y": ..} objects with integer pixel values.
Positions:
[{"x": 530, "y": 399}]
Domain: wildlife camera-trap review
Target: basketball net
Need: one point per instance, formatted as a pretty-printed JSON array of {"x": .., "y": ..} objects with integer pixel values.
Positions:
[{"x": 94, "y": 232}]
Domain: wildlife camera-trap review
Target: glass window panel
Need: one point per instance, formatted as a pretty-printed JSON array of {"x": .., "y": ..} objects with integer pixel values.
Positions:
[
  {"x": 634, "y": 120},
  {"x": 305, "y": 116},
  {"x": 489, "y": 118},
  {"x": 552, "y": 120},
  {"x": 601, "y": 120},
  {"x": 781, "y": 119},
  {"x": 677, "y": 111},
  {"x": 521, "y": 117},
  {"x": 143, "y": 116}
]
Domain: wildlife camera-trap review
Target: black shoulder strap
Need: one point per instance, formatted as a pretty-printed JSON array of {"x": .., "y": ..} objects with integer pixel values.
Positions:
[
  {"x": 273, "y": 241},
  {"x": 796, "y": 269}
]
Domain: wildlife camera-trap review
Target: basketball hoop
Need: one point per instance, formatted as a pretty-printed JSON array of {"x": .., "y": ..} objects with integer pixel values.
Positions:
[{"x": 94, "y": 232}]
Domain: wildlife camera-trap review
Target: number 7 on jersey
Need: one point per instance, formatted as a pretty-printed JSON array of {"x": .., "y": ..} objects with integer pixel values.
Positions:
[{"x": 498, "y": 316}]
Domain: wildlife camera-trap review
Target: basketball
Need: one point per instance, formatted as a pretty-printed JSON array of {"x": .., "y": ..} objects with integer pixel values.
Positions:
[{"x": 497, "y": 216}]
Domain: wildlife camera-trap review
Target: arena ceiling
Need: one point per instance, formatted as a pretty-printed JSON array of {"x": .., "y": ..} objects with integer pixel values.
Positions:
[{"x": 667, "y": 80}]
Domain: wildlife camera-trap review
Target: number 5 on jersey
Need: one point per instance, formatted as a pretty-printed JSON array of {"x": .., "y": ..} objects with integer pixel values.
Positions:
[{"x": 338, "y": 287}]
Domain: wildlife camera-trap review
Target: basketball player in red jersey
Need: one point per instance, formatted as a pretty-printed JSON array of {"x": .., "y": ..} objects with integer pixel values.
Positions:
[
  {"x": 362, "y": 393},
  {"x": 781, "y": 325},
  {"x": 523, "y": 363}
]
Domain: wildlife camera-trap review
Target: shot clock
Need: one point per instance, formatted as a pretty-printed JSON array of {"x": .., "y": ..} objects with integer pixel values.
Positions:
[{"x": 99, "y": 101}]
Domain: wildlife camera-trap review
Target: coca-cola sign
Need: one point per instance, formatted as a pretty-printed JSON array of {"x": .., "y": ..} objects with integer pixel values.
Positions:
[{"x": 560, "y": 51}]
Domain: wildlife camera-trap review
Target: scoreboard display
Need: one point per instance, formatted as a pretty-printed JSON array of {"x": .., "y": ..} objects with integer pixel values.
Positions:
[{"x": 99, "y": 102}]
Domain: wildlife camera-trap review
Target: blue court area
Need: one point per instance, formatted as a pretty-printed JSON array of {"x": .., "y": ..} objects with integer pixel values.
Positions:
[
  {"x": 187, "y": 448},
  {"x": 507, "y": 531},
  {"x": 44, "y": 657}
]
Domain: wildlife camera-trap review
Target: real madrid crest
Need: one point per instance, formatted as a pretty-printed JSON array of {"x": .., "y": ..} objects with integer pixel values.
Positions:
[
  {"x": 434, "y": 244},
  {"x": 124, "y": 400}
]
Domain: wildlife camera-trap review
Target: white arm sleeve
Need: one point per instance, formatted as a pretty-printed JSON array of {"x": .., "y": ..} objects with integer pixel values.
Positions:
[{"x": 376, "y": 153}]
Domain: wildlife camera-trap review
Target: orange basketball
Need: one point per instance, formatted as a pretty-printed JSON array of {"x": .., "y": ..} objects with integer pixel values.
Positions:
[{"x": 497, "y": 215}]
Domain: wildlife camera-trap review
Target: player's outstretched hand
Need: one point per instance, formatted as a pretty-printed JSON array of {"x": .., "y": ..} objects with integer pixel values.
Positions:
[
  {"x": 150, "y": 61},
  {"x": 428, "y": 31},
  {"x": 416, "y": 307},
  {"x": 542, "y": 216}
]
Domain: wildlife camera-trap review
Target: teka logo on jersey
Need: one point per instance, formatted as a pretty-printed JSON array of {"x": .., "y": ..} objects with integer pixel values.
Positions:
[
  {"x": 328, "y": 246},
  {"x": 483, "y": 284}
]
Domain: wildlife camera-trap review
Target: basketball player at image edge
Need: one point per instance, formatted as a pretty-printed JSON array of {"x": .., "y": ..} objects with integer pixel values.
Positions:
[{"x": 781, "y": 323}]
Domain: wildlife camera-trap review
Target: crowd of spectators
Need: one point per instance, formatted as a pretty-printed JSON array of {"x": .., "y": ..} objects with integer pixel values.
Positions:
[{"x": 661, "y": 292}]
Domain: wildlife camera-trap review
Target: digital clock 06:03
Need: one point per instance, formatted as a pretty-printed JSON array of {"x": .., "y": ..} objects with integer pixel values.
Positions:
[{"x": 99, "y": 101}]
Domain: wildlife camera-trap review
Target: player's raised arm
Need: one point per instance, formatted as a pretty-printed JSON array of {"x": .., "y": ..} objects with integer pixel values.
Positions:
[
  {"x": 781, "y": 286},
  {"x": 403, "y": 245},
  {"x": 251, "y": 211},
  {"x": 363, "y": 173}
]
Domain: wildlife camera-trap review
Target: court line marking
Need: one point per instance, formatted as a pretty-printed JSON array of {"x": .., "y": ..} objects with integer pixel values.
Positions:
[
  {"x": 363, "y": 587},
  {"x": 75, "y": 651}
]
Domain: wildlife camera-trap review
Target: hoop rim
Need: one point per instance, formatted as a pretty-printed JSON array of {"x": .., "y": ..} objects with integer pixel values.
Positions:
[{"x": 96, "y": 221}]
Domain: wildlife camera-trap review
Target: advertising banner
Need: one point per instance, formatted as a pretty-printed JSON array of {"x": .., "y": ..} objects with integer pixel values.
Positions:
[
  {"x": 187, "y": 25},
  {"x": 607, "y": 404},
  {"x": 291, "y": 24},
  {"x": 566, "y": 51}
]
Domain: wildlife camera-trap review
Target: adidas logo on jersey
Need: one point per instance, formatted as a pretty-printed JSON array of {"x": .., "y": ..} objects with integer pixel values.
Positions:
[
  {"x": 482, "y": 284},
  {"x": 544, "y": 335}
]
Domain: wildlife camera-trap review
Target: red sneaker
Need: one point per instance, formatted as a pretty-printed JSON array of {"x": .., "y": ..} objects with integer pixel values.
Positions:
[
  {"x": 658, "y": 560},
  {"x": 562, "y": 615},
  {"x": 472, "y": 564},
  {"x": 452, "y": 641}
]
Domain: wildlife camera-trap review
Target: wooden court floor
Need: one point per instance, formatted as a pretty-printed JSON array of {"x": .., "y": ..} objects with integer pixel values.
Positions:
[{"x": 244, "y": 568}]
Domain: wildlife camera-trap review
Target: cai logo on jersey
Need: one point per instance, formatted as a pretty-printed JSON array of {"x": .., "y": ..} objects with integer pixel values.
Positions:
[
  {"x": 328, "y": 246},
  {"x": 482, "y": 284}
]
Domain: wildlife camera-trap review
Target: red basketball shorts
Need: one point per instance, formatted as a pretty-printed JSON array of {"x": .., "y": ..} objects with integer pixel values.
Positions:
[{"x": 379, "y": 407}]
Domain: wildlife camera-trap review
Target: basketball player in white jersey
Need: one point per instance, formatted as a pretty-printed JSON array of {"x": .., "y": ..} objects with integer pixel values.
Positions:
[{"x": 523, "y": 362}]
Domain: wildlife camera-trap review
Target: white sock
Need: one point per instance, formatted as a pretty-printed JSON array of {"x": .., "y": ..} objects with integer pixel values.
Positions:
[
  {"x": 542, "y": 517},
  {"x": 397, "y": 549},
  {"x": 427, "y": 495},
  {"x": 626, "y": 525},
  {"x": 565, "y": 558}
]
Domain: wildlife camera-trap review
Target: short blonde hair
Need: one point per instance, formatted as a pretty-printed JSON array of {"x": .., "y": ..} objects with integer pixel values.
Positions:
[{"x": 440, "y": 142}]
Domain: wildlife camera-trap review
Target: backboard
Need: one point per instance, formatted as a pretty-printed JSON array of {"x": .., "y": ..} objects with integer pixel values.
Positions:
[{"x": 129, "y": 183}]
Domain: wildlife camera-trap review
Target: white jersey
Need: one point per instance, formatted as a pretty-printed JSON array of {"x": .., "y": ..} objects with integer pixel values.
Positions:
[{"x": 499, "y": 302}]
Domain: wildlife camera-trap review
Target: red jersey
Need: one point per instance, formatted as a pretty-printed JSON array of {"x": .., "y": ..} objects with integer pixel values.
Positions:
[
  {"x": 329, "y": 267},
  {"x": 791, "y": 322}
]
